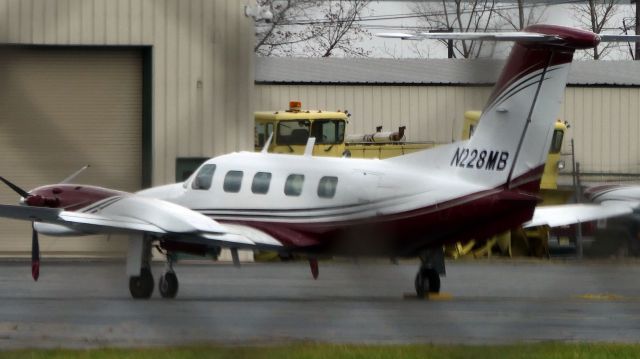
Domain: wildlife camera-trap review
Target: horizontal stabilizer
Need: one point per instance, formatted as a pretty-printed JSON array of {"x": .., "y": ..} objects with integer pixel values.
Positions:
[
  {"x": 481, "y": 36},
  {"x": 563, "y": 215}
]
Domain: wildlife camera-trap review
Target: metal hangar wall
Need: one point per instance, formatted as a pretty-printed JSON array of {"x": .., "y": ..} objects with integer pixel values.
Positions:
[
  {"x": 430, "y": 96},
  {"x": 127, "y": 86}
]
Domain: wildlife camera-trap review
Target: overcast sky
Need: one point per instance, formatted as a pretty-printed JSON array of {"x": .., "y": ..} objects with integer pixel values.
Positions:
[{"x": 562, "y": 14}]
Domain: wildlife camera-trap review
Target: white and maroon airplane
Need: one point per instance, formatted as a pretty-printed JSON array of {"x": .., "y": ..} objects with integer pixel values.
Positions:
[{"x": 403, "y": 206}]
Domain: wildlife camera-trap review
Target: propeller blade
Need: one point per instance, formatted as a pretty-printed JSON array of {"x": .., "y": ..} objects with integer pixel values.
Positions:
[
  {"x": 35, "y": 255},
  {"x": 17, "y": 189},
  {"x": 313, "y": 264}
]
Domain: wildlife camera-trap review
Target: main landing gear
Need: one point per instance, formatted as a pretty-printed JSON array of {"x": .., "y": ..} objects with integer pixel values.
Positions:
[
  {"x": 428, "y": 276},
  {"x": 141, "y": 282}
]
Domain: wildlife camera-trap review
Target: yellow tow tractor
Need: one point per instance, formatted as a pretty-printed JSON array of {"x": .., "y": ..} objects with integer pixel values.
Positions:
[{"x": 292, "y": 128}]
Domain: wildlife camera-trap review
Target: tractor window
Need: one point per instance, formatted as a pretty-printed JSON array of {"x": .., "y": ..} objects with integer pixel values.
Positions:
[
  {"x": 232, "y": 181},
  {"x": 204, "y": 176},
  {"x": 293, "y": 186},
  {"x": 293, "y": 132},
  {"x": 328, "y": 132},
  {"x": 327, "y": 187},
  {"x": 261, "y": 181},
  {"x": 262, "y": 133},
  {"x": 556, "y": 142}
]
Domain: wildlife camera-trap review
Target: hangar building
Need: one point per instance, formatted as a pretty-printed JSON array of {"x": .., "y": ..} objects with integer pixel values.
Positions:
[
  {"x": 135, "y": 88},
  {"x": 602, "y": 100}
]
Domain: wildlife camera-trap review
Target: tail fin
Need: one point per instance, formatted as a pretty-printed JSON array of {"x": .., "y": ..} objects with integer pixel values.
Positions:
[{"x": 510, "y": 144}]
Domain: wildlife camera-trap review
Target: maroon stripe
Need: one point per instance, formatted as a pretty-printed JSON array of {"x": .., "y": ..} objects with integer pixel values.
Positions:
[{"x": 478, "y": 215}]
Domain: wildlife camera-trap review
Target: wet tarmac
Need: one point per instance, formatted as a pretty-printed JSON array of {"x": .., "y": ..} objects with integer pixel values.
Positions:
[{"x": 87, "y": 304}]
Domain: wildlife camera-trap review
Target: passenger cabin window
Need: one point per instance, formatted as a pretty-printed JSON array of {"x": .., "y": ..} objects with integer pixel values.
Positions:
[
  {"x": 328, "y": 132},
  {"x": 556, "y": 141},
  {"x": 327, "y": 187},
  {"x": 203, "y": 179},
  {"x": 262, "y": 133},
  {"x": 293, "y": 132},
  {"x": 232, "y": 181},
  {"x": 293, "y": 186},
  {"x": 261, "y": 182}
]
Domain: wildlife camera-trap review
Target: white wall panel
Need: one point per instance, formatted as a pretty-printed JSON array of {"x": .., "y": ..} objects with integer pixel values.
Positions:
[{"x": 605, "y": 122}]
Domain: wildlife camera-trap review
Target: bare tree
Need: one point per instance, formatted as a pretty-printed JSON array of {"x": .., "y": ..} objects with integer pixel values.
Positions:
[
  {"x": 595, "y": 15},
  {"x": 277, "y": 36},
  {"x": 522, "y": 16},
  {"x": 315, "y": 28},
  {"x": 340, "y": 30},
  {"x": 459, "y": 16}
]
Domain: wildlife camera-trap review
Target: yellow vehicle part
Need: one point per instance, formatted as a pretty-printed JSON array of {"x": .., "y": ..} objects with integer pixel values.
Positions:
[{"x": 291, "y": 128}]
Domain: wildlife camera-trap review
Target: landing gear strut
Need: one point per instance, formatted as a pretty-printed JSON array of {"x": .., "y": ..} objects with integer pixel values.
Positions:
[
  {"x": 428, "y": 277},
  {"x": 141, "y": 284},
  {"x": 168, "y": 284}
]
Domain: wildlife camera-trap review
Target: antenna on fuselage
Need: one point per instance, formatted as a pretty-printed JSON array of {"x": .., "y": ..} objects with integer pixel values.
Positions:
[
  {"x": 308, "y": 150},
  {"x": 265, "y": 148},
  {"x": 74, "y": 175}
]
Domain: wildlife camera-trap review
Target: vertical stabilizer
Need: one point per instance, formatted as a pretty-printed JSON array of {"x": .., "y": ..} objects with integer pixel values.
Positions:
[{"x": 509, "y": 147}]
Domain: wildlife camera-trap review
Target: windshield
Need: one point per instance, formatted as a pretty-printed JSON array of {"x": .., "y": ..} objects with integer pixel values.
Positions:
[
  {"x": 293, "y": 132},
  {"x": 556, "y": 142},
  {"x": 328, "y": 132}
]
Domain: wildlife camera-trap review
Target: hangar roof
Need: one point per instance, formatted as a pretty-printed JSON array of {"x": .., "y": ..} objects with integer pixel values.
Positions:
[{"x": 426, "y": 71}]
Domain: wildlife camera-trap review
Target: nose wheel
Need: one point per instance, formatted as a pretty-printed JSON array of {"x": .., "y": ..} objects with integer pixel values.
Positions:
[{"x": 168, "y": 285}]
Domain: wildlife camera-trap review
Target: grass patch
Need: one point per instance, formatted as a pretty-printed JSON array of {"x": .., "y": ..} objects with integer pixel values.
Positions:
[{"x": 313, "y": 351}]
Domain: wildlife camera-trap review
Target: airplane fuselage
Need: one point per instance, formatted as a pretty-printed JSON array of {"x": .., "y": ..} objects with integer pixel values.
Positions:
[{"x": 346, "y": 205}]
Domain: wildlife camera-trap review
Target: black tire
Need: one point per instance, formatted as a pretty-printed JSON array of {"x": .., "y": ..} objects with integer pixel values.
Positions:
[
  {"x": 141, "y": 287},
  {"x": 168, "y": 285},
  {"x": 427, "y": 281}
]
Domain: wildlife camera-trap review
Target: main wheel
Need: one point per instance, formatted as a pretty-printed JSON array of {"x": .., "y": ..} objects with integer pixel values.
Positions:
[
  {"x": 427, "y": 281},
  {"x": 168, "y": 285},
  {"x": 141, "y": 287}
]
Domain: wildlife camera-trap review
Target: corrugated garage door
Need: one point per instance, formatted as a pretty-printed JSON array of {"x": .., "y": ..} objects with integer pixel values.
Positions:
[{"x": 61, "y": 108}]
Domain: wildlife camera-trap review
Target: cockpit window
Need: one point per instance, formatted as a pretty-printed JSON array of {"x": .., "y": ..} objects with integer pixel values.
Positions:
[
  {"x": 556, "y": 142},
  {"x": 203, "y": 179}
]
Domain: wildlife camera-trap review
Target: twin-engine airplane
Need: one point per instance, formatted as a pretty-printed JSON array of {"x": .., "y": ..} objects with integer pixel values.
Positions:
[{"x": 399, "y": 207}]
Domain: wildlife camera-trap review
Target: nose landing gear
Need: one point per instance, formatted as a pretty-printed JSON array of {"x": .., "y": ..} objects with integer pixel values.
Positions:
[{"x": 168, "y": 284}]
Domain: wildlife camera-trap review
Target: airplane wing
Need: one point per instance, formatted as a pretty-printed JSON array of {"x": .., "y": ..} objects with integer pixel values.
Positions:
[
  {"x": 135, "y": 214},
  {"x": 566, "y": 214}
]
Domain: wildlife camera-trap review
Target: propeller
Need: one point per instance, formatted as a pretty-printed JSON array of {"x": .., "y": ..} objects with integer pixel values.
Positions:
[
  {"x": 17, "y": 189},
  {"x": 35, "y": 254},
  {"x": 34, "y": 200},
  {"x": 31, "y": 200}
]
